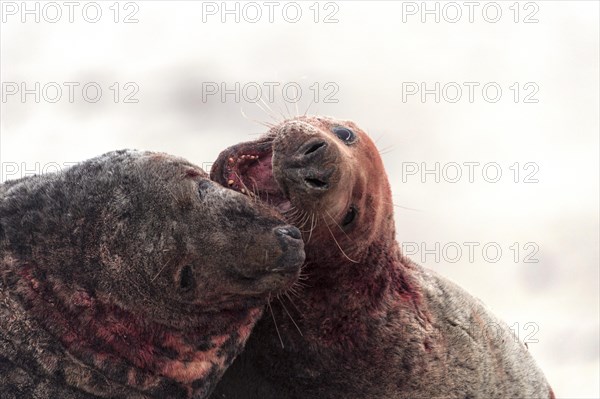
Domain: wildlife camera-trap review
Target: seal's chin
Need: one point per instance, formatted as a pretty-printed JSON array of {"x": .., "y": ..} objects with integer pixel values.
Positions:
[{"x": 248, "y": 168}]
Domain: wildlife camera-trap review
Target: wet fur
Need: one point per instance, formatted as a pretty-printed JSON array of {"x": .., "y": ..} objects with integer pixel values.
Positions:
[
  {"x": 130, "y": 275},
  {"x": 373, "y": 324}
]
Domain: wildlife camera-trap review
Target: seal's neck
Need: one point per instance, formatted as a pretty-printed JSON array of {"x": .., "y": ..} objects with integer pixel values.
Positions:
[
  {"x": 146, "y": 356},
  {"x": 379, "y": 270},
  {"x": 349, "y": 296},
  {"x": 342, "y": 303}
]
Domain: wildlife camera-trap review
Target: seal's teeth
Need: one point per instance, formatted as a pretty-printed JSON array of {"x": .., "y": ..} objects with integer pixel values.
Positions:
[
  {"x": 230, "y": 182},
  {"x": 243, "y": 190},
  {"x": 231, "y": 160}
]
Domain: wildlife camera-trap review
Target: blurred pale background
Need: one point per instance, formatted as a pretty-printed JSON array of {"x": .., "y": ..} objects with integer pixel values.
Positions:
[{"x": 370, "y": 57}]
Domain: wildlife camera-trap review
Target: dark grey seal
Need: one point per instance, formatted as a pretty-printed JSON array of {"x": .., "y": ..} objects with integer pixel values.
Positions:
[{"x": 132, "y": 275}]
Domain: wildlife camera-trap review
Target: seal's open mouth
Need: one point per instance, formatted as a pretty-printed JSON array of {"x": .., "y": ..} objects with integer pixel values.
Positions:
[{"x": 248, "y": 168}]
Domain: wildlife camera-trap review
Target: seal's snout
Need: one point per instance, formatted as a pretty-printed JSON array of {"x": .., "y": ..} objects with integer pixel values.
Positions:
[
  {"x": 304, "y": 165},
  {"x": 292, "y": 246},
  {"x": 288, "y": 232}
]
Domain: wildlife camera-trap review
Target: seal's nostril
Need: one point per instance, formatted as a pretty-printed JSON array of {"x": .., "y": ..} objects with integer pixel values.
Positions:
[
  {"x": 314, "y": 147},
  {"x": 315, "y": 183},
  {"x": 290, "y": 231}
]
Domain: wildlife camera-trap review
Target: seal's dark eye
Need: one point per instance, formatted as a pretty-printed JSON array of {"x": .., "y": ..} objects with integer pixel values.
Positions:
[
  {"x": 203, "y": 185},
  {"x": 344, "y": 134},
  {"x": 350, "y": 216}
]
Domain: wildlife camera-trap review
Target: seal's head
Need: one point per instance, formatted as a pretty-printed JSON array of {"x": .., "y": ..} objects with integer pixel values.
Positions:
[
  {"x": 369, "y": 322},
  {"x": 155, "y": 273},
  {"x": 324, "y": 175},
  {"x": 195, "y": 243}
]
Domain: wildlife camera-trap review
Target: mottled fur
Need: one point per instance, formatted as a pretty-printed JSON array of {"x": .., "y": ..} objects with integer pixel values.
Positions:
[
  {"x": 131, "y": 275},
  {"x": 371, "y": 323}
]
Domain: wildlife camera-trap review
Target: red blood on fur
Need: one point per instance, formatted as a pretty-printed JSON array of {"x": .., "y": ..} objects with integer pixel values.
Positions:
[{"x": 109, "y": 332}]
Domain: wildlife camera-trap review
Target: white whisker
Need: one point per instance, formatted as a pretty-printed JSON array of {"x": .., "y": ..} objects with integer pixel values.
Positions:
[
  {"x": 265, "y": 124},
  {"x": 274, "y": 322},
  {"x": 338, "y": 245},
  {"x": 160, "y": 271},
  {"x": 290, "y": 316}
]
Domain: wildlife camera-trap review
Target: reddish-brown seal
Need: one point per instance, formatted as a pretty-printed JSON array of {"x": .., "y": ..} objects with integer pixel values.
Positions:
[
  {"x": 370, "y": 323},
  {"x": 132, "y": 275}
]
